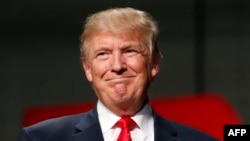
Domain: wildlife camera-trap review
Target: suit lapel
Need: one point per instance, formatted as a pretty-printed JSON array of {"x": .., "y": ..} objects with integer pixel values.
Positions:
[
  {"x": 88, "y": 129},
  {"x": 163, "y": 129}
]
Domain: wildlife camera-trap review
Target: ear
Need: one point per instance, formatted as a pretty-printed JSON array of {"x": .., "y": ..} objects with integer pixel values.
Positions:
[
  {"x": 154, "y": 70},
  {"x": 87, "y": 70},
  {"x": 155, "y": 66}
]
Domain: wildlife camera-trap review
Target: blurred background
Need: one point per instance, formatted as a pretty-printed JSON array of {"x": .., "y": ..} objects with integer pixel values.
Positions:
[{"x": 205, "y": 44}]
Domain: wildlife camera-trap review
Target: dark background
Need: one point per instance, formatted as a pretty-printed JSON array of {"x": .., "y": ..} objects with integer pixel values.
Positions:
[{"x": 205, "y": 44}]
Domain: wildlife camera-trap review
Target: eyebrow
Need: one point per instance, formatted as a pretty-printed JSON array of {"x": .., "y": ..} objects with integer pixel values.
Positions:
[
  {"x": 103, "y": 48},
  {"x": 131, "y": 45}
]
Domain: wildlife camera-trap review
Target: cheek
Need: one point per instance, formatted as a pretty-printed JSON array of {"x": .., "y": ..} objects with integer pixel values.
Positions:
[
  {"x": 137, "y": 65},
  {"x": 99, "y": 68}
]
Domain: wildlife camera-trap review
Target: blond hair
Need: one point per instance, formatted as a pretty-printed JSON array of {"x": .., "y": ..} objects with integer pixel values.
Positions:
[{"x": 121, "y": 20}]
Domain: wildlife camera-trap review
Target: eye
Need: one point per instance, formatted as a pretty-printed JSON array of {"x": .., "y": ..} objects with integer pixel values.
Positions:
[
  {"x": 130, "y": 52},
  {"x": 103, "y": 55}
]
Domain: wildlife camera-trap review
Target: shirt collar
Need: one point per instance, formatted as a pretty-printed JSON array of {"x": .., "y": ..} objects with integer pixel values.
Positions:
[
  {"x": 108, "y": 119},
  {"x": 144, "y": 119}
]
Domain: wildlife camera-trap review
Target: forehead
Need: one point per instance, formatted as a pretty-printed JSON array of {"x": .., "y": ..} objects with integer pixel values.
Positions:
[{"x": 116, "y": 39}]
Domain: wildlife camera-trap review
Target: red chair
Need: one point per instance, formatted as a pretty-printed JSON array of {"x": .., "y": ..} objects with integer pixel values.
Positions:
[{"x": 207, "y": 112}]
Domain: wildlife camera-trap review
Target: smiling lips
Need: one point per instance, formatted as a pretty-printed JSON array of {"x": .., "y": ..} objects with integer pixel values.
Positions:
[{"x": 121, "y": 79}]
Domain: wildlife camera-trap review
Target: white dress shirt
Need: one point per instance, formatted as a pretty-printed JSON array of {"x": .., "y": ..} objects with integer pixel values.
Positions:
[{"x": 143, "y": 119}]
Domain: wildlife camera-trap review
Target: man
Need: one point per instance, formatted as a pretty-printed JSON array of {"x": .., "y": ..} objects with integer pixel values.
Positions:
[{"x": 120, "y": 58}]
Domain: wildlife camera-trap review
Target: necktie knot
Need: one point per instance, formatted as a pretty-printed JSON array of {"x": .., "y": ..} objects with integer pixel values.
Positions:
[{"x": 126, "y": 124}]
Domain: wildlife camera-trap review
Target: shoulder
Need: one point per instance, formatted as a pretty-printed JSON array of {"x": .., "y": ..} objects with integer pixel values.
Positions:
[
  {"x": 56, "y": 122},
  {"x": 60, "y": 128},
  {"x": 183, "y": 132}
]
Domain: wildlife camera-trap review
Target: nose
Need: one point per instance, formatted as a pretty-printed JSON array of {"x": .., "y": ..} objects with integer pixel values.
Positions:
[{"x": 118, "y": 63}]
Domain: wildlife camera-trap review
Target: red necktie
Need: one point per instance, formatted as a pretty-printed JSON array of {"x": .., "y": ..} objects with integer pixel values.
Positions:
[{"x": 126, "y": 124}]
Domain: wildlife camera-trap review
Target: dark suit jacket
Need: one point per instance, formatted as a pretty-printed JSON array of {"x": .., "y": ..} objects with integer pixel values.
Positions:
[{"x": 86, "y": 127}]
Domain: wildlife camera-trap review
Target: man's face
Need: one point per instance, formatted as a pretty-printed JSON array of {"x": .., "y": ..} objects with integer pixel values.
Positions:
[{"x": 118, "y": 67}]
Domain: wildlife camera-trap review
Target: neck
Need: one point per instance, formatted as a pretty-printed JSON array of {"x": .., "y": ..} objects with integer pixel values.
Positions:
[{"x": 128, "y": 108}]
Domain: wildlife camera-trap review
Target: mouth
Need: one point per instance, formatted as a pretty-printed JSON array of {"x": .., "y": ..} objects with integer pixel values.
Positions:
[{"x": 121, "y": 79}]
